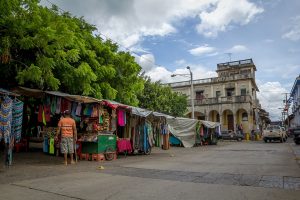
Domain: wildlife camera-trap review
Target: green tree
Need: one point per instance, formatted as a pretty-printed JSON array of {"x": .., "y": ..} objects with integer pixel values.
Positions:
[
  {"x": 157, "y": 97},
  {"x": 42, "y": 48}
]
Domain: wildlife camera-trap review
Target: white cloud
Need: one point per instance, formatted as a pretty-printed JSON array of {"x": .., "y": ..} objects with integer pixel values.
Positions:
[
  {"x": 127, "y": 22},
  {"x": 202, "y": 50},
  {"x": 294, "y": 31},
  {"x": 180, "y": 62},
  {"x": 162, "y": 74},
  {"x": 237, "y": 49},
  {"x": 225, "y": 13},
  {"x": 271, "y": 97},
  {"x": 146, "y": 61}
]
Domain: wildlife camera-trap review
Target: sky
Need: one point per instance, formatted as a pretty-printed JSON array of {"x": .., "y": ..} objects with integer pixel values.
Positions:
[{"x": 165, "y": 36}]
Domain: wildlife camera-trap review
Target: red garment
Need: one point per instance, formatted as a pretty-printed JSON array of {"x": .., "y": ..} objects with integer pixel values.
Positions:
[
  {"x": 65, "y": 105},
  {"x": 124, "y": 145},
  {"x": 121, "y": 117},
  {"x": 47, "y": 113}
]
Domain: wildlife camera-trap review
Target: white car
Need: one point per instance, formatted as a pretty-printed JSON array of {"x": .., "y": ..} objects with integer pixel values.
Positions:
[{"x": 274, "y": 132}]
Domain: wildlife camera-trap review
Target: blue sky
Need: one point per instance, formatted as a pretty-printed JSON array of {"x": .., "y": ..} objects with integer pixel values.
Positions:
[{"x": 166, "y": 36}]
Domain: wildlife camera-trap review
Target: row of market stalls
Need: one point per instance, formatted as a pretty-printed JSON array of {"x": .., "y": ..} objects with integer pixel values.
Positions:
[{"x": 105, "y": 127}]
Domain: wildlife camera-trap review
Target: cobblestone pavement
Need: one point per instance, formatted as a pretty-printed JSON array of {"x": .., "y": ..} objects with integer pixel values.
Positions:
[
  {"x": 282, "y": 182},
  {"x": 230, "y": 170}
]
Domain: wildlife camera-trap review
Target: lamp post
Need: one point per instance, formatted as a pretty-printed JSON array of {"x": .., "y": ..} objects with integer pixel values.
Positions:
[{"x": 192, "y": 88}]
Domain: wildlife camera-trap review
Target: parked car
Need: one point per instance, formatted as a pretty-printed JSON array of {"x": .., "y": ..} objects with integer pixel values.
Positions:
[
  {"x": 273, "y": 133},
  {"x": 296, "y": 134},
  {"x": 230, "y": 135}
]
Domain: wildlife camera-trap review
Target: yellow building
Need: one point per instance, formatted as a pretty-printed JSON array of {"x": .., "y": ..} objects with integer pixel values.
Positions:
[{"x": 229, "y": 98}]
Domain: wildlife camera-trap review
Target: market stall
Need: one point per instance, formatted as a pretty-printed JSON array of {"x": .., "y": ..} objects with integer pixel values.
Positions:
[
  {"x": 11, "y": 115},
  {"x": 207, "y": 132}
]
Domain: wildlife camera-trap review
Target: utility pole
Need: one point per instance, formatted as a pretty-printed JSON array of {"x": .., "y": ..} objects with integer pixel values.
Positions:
[{"x": 287, "y": 109}]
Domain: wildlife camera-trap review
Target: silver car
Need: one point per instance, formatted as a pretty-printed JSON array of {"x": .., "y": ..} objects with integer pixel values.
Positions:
[{"x": 273, "y": 133}]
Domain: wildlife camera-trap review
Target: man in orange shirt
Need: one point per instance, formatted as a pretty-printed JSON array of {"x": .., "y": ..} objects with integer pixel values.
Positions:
[{"x": 67, "y": 129}]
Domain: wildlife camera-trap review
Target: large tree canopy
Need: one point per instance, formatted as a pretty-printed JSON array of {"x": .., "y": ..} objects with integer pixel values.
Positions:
[
  {"x": 161, "y": 98},
  {"x": 44, "y": 49}
]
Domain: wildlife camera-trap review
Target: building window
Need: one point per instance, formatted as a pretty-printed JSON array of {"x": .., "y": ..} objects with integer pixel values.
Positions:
[
  {"x": 243, "y": 91},
  {"x": 218, "y": 94},
  {"x": 230, "y": 92},
  {"x": 200, "y": 95},
  {"x": 245, "y": 116}
]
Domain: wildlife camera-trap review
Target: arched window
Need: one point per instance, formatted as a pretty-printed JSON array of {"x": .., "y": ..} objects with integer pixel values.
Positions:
[{"x": 245, "y": 116}]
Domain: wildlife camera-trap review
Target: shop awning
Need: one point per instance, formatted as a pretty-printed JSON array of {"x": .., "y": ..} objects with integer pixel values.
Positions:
[
  {"x": 6, "y": 92},
  {"x": 113, "y": 104},
  {"x": 210, "y": 124},
  {"x": 76, "y": 98},
  {"x": 140, "y": 111},
  {"x": 158, "y": 114},
  {"x": 36, "y": 93}
]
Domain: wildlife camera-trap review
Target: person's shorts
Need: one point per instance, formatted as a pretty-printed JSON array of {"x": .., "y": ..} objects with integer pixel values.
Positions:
[{"x": 67, "y": 145}]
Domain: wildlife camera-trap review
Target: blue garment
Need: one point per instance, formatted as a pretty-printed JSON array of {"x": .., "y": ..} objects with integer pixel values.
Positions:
[{"x": 6, "y": 119}]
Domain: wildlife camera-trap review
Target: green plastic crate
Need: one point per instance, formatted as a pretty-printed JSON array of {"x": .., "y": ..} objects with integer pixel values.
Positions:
[{"x": 104, "y": 141}]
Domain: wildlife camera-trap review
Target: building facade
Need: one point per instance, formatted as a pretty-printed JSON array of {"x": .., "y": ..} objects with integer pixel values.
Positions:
[
  {"x": 230, "y": 98},
  {"x": 295, "y": 96}
]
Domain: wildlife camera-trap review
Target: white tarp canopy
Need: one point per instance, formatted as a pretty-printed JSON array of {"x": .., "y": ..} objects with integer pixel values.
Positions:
[
  {"x": 210, "y": 124},
  {"x": 184, "y": 129},
  {"x": 140, "y": 111}
]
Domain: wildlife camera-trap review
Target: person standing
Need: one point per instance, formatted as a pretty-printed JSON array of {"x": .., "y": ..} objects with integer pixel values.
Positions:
[{"x": 67, "y": 129}]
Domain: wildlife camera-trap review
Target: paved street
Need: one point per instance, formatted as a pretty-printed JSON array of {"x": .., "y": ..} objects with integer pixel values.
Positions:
[{"x": 230, "y": 170}]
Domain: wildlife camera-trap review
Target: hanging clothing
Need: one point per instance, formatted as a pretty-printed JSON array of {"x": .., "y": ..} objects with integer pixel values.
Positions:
[
  {"x": 44, "y": 114},
  {"x": 6, "y": 119},
  {"x": 94, "y": 111},
  {"x": 53, "y": 105},
  {"x": 121, "y": 117},
  {"x": 78, "y": 109},
  {"x": 58, "y": 105},
  {"x": 65, "y": 105},
  {"x": 17, "y": 116}
]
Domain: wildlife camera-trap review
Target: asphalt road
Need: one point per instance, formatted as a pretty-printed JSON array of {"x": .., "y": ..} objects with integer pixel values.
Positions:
[{"x": 230, "y": 170}]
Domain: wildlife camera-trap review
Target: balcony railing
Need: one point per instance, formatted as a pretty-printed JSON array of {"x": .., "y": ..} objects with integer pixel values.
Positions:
[
  {"x": 221, "y": 100},
  {"x": 211, "y": 80},
  {"x": 222, "y": 66}
]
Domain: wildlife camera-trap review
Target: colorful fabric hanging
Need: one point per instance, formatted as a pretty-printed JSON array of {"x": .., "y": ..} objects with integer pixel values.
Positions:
[
  {"x": 95, "y": 112},
  {"x": 53, "y": 105},
  {"x": 78, "y": 109},
  {"x": 17, "y": 116},
  {"x": 121, "y": 120},
  {"x": 6, "y": 119},
  {"x": 51, "y": 146},
  {"x": 58, "y": 105}
]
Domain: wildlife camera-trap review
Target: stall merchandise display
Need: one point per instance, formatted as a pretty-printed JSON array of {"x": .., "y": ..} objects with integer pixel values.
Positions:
[
  {"x": 17, "y": 119},
  {"x": 5, "y": 128}
]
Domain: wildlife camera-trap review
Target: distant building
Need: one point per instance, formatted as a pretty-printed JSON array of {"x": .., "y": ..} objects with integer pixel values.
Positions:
[
  {"x": 229, "y": 98},
  {"x": 295, "y": 98}
]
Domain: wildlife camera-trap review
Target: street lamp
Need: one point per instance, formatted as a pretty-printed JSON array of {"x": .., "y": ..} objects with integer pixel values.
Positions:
[{"x": 192, "y": 88}]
